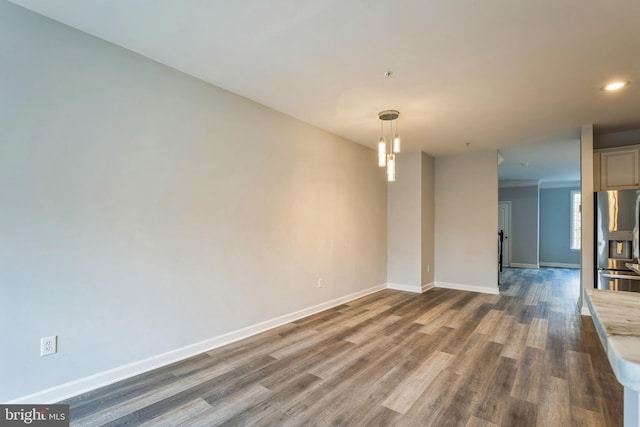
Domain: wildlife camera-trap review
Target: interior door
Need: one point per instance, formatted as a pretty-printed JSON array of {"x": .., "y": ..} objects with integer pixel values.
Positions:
[{"x": 504, "y": 224}]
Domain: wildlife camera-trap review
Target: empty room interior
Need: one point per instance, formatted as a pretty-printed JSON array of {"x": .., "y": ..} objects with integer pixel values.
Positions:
[{"x": 320, "y": 213}]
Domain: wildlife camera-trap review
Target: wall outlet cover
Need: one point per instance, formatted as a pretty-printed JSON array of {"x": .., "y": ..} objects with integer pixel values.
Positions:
[{"x": 48, "y": 345}]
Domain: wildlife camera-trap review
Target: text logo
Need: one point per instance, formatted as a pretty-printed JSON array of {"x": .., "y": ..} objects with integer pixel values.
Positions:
[{"x": 34, "y": 415}]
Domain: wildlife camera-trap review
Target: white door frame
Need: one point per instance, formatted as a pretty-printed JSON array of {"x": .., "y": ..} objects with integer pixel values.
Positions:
[{"x": 506, "y": 254}]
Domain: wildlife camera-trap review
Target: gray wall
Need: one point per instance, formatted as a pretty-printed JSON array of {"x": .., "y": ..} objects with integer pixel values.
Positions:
[
  {"x": 142, "y": 210},
  {"x": 466, "y": 218},
  {"x": 404, "y": 221},
  {"x": 410, "y": 221},
  {"x": 524, "y": 224},
  {"x": 428, "y": 219},
  {"x": 555, "y": 230}
]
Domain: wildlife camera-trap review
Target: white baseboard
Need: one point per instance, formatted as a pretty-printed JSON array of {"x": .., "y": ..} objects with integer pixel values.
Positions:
[
  {"x": 101, "y": 379},
  {"x": 558, "y": 265},
  {"x": 411, "y": 288},
  {"x": 519, "y": 265},
  {"x": 405, "y": 288},
  {"x": 584, "y": 311},
  {"x": 471, "y": 288},
  {"x": 428, "y": 286}
]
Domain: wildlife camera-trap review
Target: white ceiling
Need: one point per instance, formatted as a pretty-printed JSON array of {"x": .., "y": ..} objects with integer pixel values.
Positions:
[{"x": 495, "y": 73}]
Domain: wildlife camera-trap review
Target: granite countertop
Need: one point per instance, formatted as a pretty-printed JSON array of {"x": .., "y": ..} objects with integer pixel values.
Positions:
[
  {"x": 616, "y": 315},
  {"x": 634, "y": 267}
]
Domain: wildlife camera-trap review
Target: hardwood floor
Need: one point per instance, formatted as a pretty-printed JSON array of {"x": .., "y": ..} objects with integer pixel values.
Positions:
[{"x": 443, "y": 358}]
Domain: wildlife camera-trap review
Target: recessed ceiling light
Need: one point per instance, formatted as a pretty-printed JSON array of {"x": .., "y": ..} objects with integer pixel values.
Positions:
[{"x": 615, "y": 85}]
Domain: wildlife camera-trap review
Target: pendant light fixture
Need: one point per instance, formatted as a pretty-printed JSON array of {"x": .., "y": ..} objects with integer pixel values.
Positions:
[{"x": 388, "y": 157}]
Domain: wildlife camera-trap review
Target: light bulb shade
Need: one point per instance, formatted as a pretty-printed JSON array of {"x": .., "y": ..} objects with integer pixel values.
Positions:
[
  {"x": 382, "y": 152},
  {"x": 391, "y": 168},
  {"x": 396, "y": 143}
]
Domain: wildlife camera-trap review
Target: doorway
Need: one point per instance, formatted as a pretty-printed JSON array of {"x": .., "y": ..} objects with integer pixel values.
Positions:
[{"x": 504, "y": 226}]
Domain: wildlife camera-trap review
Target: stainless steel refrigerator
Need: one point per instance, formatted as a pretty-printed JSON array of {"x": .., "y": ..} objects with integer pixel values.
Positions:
[{"x": 617, "y": 214}]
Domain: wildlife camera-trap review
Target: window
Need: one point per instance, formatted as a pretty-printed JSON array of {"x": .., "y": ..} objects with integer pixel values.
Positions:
[{"x": 576, "y": 209}]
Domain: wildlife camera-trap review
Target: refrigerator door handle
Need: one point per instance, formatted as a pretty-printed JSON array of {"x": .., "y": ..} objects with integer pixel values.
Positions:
[{"x": 621, "y": 276}]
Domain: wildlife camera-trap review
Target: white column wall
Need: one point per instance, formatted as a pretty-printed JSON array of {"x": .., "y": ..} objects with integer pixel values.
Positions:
[{"x": 466, "y": 221}]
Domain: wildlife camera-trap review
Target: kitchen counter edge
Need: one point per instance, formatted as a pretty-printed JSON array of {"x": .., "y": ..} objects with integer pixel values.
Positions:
[{"x": 622, "y": 350}]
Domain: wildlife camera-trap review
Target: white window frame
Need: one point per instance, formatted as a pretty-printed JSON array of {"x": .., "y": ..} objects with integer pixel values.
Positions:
[{"x": 572, "y": 221}]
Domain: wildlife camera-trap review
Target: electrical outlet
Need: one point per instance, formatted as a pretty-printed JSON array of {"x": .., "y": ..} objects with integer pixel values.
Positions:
[
  {"x": 48, "y": 345},
  {"x": 321, "y": 282},
  {"x": 428, "y": 268}
]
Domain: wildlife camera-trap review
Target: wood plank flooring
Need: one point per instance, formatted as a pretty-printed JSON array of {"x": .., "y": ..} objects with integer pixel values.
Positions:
[{"x": 443, "y": 358}]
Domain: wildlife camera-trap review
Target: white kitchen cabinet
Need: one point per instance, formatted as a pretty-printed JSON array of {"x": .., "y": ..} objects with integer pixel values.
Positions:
[{"x": 619, "y": 168}]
